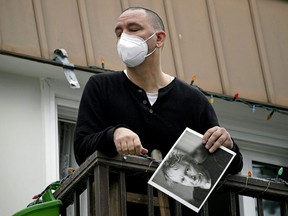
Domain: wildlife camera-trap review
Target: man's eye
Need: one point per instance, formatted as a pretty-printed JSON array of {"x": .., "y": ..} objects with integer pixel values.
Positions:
[{"x": 134, "y": 30}]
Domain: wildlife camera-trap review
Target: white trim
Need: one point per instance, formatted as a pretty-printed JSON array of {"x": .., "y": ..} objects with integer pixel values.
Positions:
[
  {"x": 259, "y": 139},
  {"x": 50, "y": 127},
  {"x": 50, "y": 105},
  {"x": 67, "y": 103},
  {"x": 247, "y": 204},
  {"x": 67, "y": 110}
]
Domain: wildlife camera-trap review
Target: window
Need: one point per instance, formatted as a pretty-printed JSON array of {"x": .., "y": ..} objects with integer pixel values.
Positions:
[
  {"x": 269, "y": 171},
  {"x": 66, "y": 125},
  {"x": 66, "y": 153}
]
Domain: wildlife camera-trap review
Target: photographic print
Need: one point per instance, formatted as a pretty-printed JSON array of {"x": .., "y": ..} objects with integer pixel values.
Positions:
[{"x": 189, "y": 173}]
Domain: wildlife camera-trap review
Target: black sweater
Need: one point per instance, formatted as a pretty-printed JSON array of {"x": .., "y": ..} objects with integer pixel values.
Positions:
[{"x": 111, "y": 100}]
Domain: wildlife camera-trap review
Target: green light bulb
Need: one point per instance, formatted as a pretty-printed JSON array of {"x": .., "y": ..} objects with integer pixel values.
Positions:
[{"x": 280, "y": 171}]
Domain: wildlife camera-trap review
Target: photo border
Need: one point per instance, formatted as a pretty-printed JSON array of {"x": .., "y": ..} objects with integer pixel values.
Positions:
[{"x": 186, "y": 143}]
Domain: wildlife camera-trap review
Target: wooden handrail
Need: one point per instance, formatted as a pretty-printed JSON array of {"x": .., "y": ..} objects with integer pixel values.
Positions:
[
  {"x": 98, "y": 166},
  {"x": 78, "y": 177}
]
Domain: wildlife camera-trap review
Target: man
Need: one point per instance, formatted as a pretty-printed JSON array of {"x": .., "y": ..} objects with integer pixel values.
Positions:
[{"x": 143, "y": 108}]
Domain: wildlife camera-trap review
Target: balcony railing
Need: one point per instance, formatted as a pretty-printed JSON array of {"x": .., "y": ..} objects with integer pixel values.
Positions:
[{"x": 106, "y": 182}]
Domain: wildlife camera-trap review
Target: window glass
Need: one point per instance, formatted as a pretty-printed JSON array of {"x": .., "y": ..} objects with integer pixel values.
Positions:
[
  {"x": 66, "y": 152},
  {"x": 268, "y": 171}
]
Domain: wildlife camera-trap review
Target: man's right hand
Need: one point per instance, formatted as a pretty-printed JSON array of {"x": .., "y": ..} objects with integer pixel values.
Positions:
[{"x": 128, "y": 142}]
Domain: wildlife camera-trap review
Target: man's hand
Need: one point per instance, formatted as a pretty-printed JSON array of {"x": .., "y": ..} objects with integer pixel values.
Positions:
[
  {"x": 215, "y": 137},
  {"x": 128, "y": 142}
]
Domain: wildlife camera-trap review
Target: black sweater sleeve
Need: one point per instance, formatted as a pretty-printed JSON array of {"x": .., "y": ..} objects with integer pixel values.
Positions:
[
  {"x": 91, "y": 132},
  {"x": 237, "y": 163}
]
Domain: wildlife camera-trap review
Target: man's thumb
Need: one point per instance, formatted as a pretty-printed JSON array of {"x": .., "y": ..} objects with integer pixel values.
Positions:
[{"x": 144, "y": 150}]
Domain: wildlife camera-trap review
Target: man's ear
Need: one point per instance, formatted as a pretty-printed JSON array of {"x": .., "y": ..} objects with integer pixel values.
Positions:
[{"x": 161, "y": 36}]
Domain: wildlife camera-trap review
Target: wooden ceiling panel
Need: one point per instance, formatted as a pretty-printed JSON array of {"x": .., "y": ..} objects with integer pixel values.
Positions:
[
  {"x": 240, "y": 51},
  {"x": 102, "y": 17},
  {"x": 273, "y": 16},
  {"x": 196, "y": 44},
  {"x": 63, "y": 29},
  {"x": 18, "y": 31},
  {"x": 231, "y": 46}
]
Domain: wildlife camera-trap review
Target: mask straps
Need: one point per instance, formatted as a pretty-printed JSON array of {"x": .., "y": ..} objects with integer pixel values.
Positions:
[
  {"x": 150, "y": 53},
  {"x": 150, "y": 37},
  {"x": 155, "y": 47}
]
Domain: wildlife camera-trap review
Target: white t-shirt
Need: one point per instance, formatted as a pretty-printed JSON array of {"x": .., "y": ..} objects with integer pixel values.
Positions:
[{"x": 152, "y": 97}]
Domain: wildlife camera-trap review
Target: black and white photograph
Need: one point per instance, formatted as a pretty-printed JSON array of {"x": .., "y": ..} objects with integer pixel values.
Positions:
[{"x": 189, "y": 173}]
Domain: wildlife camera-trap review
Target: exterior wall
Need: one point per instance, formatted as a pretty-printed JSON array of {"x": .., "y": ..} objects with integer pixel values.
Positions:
[
  {"x": 231, "y": 46},
  {"x": 29, "y": 138},
  {"x": 22, "y": 163},
  {"x": 30, "y": 94}
]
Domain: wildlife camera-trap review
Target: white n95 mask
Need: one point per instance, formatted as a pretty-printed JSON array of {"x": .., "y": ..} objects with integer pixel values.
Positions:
[{"x": 133, "y": 49}]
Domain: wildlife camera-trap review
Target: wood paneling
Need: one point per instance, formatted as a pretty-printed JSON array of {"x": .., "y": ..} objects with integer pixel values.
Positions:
[
  {"x": 18, "y": 30},
  {"x": 240, "y": 49},
  {"x": 63, "y": 29},
  {"x": 231, "y": 46},
  {"x": 273, "y": 15},
  {"x": 196, "y": 44},
  {"x": 102, "y": 17}
]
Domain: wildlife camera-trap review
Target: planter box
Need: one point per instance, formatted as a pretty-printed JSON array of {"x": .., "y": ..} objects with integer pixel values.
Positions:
[
  {"x": 45, "y": 205},
  {"x": 50, "y": 208}
]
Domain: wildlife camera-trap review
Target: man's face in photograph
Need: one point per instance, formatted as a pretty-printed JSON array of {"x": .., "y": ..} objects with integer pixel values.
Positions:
[{"x": 191, "y": 174}]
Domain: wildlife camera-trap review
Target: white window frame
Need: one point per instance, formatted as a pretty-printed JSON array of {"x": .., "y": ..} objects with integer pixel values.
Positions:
[
  {"x": 247, "y": 204},
  {"x": 50, "y": 103},
  {"x": 259, "y": 140}
]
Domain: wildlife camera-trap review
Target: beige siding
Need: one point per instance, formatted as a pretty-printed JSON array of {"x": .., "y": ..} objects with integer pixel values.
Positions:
[
  {"x": 18, "y": 27},
  {"x": 63, "y": 28},
  {"x": 196, "y": 44},
  {"x": 239, "y": 50},
  {"x": 273, "y": 18},
  {"x": 231, "y": 46}
]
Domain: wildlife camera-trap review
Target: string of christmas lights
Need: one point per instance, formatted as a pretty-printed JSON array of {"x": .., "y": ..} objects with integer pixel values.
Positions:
[{"x": 251, "y": 104}]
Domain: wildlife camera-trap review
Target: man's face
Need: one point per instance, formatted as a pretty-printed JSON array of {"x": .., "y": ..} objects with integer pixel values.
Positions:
[
  {"x": 134, "y": 22},
  {"x": 189, "y": 174}
]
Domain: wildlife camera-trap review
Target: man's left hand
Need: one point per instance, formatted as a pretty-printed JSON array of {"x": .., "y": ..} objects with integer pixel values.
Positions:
[{"x": 216, "y": 137}]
